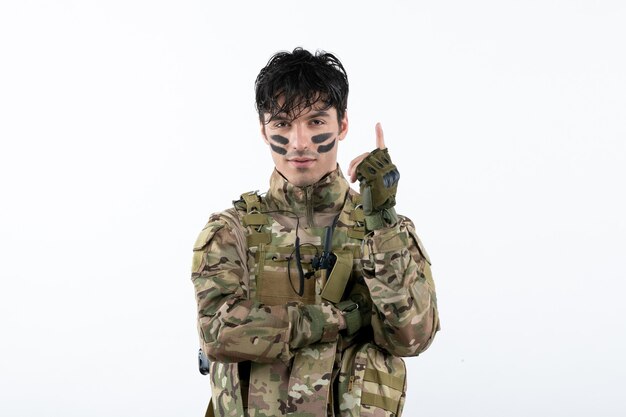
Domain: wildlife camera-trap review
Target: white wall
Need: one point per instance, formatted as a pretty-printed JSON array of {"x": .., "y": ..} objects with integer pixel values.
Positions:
[{"x": 120, "y": 125}]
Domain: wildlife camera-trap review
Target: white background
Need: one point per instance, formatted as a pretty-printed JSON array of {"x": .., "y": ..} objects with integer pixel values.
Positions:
[{"x": 124, "y": 124}]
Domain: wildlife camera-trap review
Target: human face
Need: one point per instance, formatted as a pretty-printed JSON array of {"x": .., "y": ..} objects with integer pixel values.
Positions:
[{"x": 304, "y": 149}]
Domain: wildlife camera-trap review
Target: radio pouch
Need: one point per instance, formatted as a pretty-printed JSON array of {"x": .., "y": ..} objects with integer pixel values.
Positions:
[{"x": 338, "y": 277}]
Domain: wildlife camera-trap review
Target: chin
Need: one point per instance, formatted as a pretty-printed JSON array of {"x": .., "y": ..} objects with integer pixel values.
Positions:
[{"x": 303, "y": 180}]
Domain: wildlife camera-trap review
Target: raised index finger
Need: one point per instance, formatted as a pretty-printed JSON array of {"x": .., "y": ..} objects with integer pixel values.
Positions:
[{"x": 380, "y": 137}]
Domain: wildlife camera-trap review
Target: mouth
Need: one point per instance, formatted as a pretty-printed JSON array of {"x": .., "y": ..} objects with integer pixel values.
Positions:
[{"x": 301, "y": 162}]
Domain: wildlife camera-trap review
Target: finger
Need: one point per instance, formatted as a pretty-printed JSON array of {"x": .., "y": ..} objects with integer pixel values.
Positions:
[
  {"x": 380, "y": 137},
  {"x": 356, "y": 161},
  {"x": 353, "y": 164}
]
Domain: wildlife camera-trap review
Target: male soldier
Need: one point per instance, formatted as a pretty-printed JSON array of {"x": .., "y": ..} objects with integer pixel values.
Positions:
[{"x": 308, "y": 295}]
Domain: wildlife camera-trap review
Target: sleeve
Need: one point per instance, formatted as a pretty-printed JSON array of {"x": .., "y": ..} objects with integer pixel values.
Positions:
[
  {"x": 233, "y": 327},
  {"x": 397, "y": 272}
]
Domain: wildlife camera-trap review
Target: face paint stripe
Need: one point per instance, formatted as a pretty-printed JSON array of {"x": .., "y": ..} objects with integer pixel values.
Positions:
[
  {"x": 278, "y": 149},
  {"x": 326, "y": 148},
  {"x": 321, "y": 137},
  {"x": 280, "y": 139}
]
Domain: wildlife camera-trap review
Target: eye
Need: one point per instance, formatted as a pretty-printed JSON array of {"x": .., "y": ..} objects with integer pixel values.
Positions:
[
  {"x": 317, "y": 122},
  {"x": 279, "y": 125}
]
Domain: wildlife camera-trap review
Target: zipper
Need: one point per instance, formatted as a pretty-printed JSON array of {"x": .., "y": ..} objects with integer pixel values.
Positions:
[{"x": 309, "y": 205}]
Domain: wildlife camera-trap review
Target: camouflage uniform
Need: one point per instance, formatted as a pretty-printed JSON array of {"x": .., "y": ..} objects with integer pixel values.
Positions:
[{"x": 271, "y": 350}]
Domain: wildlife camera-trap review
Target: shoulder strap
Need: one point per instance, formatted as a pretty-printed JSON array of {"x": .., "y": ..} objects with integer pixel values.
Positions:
[
  {"x": 357, "y": 216},
  {"x": 254, "y": 219}
]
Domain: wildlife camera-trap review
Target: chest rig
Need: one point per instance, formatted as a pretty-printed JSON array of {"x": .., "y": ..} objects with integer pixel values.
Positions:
[
  {"x": 278, "y": 255},
  {"x": 274, "y": 280}
]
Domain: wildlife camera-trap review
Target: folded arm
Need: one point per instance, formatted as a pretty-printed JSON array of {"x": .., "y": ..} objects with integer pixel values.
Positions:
[
  {"x": 397, "y": 273},
  {"x": 234, "y": 327}
]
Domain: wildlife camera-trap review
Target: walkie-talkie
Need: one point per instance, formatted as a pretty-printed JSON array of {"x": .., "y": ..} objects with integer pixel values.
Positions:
[
  {"x": 203, "y": 363},
  {"x": 327, "y": 260}
]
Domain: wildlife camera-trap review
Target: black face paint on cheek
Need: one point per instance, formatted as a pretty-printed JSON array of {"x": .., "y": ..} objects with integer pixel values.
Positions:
[
  {"x": 326, "y": 148},
  {"x": 280, "y": 139},
  {"x": 278, "y": 149},
  {"x": 321, "y": 138}
]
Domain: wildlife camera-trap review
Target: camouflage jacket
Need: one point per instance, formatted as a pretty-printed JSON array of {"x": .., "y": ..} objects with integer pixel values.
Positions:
[{"x": 269, "y": 347}]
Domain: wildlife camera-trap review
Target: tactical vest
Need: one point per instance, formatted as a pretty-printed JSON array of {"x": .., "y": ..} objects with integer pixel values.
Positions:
[{"x": 365, "y": 378}]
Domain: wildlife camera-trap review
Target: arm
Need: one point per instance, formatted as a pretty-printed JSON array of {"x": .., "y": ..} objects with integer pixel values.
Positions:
[
  {"x": 395, "y": 266},
  {"x": 235, "y": 328},
  {"x": 397, "y": 272}
]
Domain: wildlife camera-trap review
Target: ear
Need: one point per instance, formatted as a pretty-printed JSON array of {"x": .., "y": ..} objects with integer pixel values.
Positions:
[{"x": 343, "y": 126}]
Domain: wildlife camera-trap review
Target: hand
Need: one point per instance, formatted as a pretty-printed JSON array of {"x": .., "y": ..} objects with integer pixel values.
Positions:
[
  {"x": 357, "y": 313},
  {"x": 378, "y": 178},
  {"x": 380, "y": 144}
]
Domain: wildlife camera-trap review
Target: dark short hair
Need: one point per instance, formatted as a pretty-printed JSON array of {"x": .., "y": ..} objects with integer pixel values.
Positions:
[{"x": 301, "y": 79}]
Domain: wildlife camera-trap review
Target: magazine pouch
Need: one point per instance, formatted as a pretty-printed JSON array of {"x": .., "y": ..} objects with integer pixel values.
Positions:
[{"x": 372, "y": 383}]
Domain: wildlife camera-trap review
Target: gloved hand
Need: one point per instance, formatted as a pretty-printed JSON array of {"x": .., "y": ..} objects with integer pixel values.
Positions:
[
  {"x": 378, "y": 178},
  {"x": 357, "y": 313}
]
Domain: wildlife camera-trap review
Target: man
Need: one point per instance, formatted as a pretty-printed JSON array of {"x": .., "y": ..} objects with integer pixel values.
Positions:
[{"x": 307, "y": 296}]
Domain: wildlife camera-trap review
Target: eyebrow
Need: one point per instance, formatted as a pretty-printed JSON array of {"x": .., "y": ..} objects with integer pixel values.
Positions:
[
  {"x": 320, "y": 113},
  {"x": 279, "y": 118},
  {"x": 282, "y": 117}
]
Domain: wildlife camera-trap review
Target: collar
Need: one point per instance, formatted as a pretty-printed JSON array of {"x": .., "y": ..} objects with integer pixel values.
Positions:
[{"x": 327, "y": 196}]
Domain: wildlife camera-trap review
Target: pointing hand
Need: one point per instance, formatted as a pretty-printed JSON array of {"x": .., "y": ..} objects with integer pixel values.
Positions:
[{"x": 378, "y": 178}]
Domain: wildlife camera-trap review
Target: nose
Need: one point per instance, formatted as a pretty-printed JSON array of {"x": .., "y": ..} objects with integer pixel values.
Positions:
[{"x": 300, "y": 139}]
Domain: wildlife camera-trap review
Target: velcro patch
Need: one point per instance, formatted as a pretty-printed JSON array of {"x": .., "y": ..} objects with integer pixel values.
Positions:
[{"x": 207, "y": 233}]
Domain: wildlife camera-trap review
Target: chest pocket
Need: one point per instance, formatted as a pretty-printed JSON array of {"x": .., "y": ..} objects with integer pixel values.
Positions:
[{"x": 278, "y": 281}]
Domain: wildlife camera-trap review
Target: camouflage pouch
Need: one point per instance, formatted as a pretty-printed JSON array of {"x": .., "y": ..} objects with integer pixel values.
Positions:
[{"x": 372, "y": 383}]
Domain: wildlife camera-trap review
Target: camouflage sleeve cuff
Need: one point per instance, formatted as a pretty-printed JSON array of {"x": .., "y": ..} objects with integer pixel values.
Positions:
[
  {"x": 381, "y": 219},
  {"x": 324, "y": 326},
  {"x": 332, "y": 318}
]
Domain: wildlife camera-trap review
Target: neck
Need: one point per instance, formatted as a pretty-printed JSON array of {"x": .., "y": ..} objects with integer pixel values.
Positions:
[{"x": 315, "y": 205}]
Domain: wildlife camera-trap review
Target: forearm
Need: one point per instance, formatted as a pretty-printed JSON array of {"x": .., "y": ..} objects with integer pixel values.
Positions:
[
  {"x": 402, "y": 291},
  {"x": 246, "y": 330},
  {"x": 234, "y": 327}
]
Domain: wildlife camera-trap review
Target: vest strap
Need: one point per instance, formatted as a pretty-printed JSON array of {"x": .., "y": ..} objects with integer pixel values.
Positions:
[
  {"x": 357, "y": 232},
  {"x": 255, "y": 219},
  {"x": 357, "y": 217},
  {"x": 379, "y": 401},
  {"x": 252, "y": 200},
  {"x": 255, "y": 239},
  {"x": 373, "y": 375}
]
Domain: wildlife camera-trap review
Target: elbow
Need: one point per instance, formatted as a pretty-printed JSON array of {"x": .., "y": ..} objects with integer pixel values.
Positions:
[
  {"x": 425, "y": 332},
  {"x": 215, "y": 340},
  {"x": 241, "y": 343},
  {"x": 218, "y": 351},
  {"x": 405, "y": 346},
  {"x": 211, "y": 345},
  {"x": 217, "y": 354},
  {"x": 412, "y": 339},
  {"x": 221, "y": 345}
]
